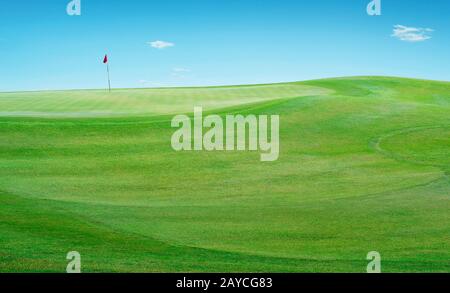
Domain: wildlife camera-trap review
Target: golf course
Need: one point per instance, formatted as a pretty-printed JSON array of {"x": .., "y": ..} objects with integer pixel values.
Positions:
[{"x": 364, "y": 165}]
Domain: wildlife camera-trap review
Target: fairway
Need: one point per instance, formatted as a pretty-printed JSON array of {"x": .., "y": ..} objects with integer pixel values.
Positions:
[{"x": 364, "y": 166}]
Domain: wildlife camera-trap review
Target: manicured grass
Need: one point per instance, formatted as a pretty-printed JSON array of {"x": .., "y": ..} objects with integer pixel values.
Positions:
[{"x": 364, "y": 165}]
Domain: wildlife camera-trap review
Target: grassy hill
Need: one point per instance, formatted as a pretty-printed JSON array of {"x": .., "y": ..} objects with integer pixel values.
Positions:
[{"x": 364, "y": 165}]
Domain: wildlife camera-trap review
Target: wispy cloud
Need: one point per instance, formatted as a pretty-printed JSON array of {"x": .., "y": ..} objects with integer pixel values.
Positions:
[
  {"x": 411, "y": 34},
  {"x": 161, "y": 44},
  {"x": 180, "y": 69},
  {"x": 147, "y": 83},
  {"x": 180, "y": 72}
]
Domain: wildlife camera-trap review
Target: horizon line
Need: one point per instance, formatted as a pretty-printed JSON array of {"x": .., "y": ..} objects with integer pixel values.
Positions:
[{"x": 220, "y": 86}]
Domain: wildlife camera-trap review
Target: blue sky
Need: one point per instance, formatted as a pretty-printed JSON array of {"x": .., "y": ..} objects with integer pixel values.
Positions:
[{"x": 218, "y": 42}]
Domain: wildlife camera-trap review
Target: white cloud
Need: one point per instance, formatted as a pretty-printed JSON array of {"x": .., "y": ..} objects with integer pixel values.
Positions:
[
  {"x": 178, "y": 75},
  {"x": 180, "y": 72},
  {"x": 161, "y": 44},
  {"x": 147, "y": 83},
  {"x": 180, "y": 69},
  {"x": 411, "y": 34}
]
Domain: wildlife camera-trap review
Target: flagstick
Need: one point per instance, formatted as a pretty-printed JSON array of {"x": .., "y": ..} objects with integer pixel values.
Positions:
[{"x": 109, "y": 80}]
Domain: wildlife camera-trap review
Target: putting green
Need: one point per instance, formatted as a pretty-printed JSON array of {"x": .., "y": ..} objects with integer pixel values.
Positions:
[
  {"x": 363, "y": 166},
  {"x": 126, "y": 102}
]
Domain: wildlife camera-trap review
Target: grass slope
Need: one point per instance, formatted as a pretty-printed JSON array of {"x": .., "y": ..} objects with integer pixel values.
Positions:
[{"x": 364, "y": 165}]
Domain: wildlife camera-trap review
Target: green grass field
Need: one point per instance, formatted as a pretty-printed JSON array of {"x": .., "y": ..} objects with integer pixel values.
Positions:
[{"x": 364, "y": 165}]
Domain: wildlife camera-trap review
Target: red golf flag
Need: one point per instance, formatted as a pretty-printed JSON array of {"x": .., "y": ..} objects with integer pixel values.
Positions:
[{"x": 105, "y": 60}]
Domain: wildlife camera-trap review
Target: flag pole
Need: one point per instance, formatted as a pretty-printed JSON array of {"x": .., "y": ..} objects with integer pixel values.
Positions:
[
  {"x": 106, "y": 61},
  {"x": 109, "y": 80}
]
